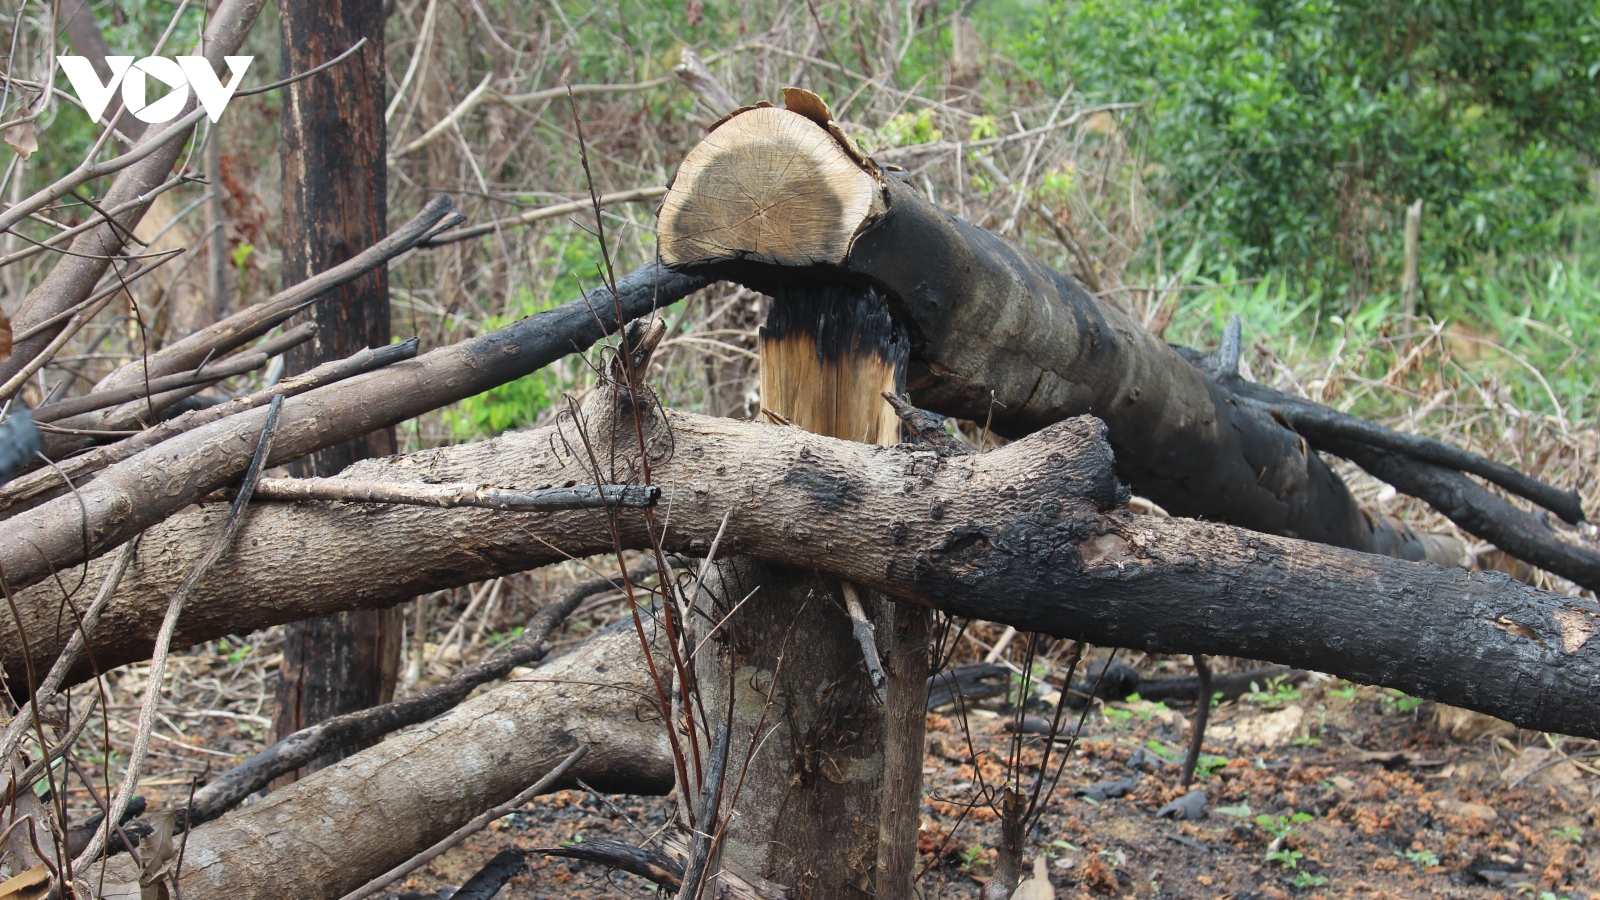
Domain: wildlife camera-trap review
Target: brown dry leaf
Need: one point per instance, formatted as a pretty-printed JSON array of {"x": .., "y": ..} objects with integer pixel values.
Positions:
[
  {"x": 23, "y": 138},
  {"x": 5, "y": 338},
  {"x": 30, "y": 885},
  {"x": 1538, "y": 765},
  {"x": 158, "y": 855},
  {"x": 1098, "y": 876}
]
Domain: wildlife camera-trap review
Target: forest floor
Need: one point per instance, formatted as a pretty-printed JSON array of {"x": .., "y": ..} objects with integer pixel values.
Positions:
[{"x": 1324, "y": 789}]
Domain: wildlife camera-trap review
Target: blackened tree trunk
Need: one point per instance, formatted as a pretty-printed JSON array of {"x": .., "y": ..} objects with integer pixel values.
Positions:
[{"x": 334, "y": 206}]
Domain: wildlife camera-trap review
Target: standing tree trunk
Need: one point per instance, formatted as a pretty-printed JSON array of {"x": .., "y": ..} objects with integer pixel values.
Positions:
[
  {"x": 334, "y": 206},
  {"x": 827, "y": 802}
]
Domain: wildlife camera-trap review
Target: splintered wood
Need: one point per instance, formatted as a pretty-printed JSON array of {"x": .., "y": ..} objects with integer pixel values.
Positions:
[
  {"x": 831, "y": 394},
  {"x": 770, "y": 185}
]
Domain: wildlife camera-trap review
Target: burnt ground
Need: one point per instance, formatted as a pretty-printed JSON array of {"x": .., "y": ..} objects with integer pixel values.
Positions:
[{"x": 1326, "y": 790}]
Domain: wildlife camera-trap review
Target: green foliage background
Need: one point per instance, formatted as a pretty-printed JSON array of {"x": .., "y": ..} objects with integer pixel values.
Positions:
[{"x": 1288, "y": 137}]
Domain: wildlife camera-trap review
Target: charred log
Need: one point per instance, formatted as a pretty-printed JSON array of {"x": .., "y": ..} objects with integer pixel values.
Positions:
[
  {"x": 1026, "y": 535},
  {"x": 773, "y": 195}
]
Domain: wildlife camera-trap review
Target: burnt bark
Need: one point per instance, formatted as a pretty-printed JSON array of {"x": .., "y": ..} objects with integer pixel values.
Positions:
[
  {"x": 1026, "y": 535},
  {"x": 335, "y": 203},
  {"x": 998, "y": 335}
]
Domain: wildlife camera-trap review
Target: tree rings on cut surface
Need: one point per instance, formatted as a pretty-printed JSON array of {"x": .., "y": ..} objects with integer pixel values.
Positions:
[{"x": 768, "y": 185}]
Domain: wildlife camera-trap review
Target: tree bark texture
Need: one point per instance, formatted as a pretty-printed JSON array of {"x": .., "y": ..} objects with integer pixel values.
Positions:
[
  {"x": 335, "y": 203},
  {"x": 330, "y": 832},
  {"x": 1024, "y": 535},
  {"x": 771, "y": 196},
  {"x": 74, "y": 275},
  {"x": 807, "y": 800}
]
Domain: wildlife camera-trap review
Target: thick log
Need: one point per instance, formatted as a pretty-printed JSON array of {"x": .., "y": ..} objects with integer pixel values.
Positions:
[
  {"x": 774, "y": 195},
  {"x": 134, "y": 494},
  {"x": 347, "y": 731},
  {"x": 996, "y": 335},
  {"x": 424, "y": 783},
  {"x": 1025, "y": 535}
]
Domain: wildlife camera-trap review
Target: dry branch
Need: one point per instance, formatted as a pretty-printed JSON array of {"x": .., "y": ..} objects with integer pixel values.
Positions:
[
  {"x": 450, "y": 496},
  {"x": 47, "y": 481},
  {"x": 254, "y": 321},
  {"x": 75, "y": 276},
  {"x": 353, "y": 729},
  {"x": 542, "y": 213},
  {"x": 425, "y": 783},
  {"x": 131, "y": 495},
  {"x": 173, "y": 385},
  {"x": 1024, "y": 535}
]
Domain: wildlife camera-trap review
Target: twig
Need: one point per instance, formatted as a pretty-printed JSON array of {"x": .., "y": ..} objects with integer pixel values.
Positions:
[
  {"x": 256, "y": 320},
  {"x": 1202, "y": 712},
  {"x": 467, "y": 830},
  {"x": 865, "y": 636},
  {"x": 89, "y": 171},
  {"x": 285, "y": 82},
  {"x": 169, "y": 624},
  {"x": 542, "y": 213},
  {"x": 444, "y": 124},
  {"x": 651, "y": 865},
  {"x": 201, "y": 377},
  {"x": 449, "y": 496},
  {"x": 36, "y": 771},
  {"x": 124, "y": 279},
  {"x": 694, "y": 869},
  {"x": 46, "y": 692}
]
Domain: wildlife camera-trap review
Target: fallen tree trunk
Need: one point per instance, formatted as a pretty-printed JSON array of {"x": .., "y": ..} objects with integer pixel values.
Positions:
[
  {"x": 132, "y": 495},
  {"x": 424, "y": 783},
  {"x": 343, "y": 732},
  {"x": 1022, "y": 535},
  {"x": 772, "y": 196}
]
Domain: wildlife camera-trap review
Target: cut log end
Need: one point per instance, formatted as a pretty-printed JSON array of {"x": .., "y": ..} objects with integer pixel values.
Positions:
[{"x": 769, "y": 185}]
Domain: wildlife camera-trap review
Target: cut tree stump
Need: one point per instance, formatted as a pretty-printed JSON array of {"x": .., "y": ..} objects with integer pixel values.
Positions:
[{"x": 828, "y": 803}]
